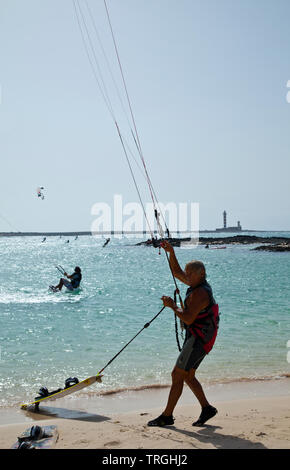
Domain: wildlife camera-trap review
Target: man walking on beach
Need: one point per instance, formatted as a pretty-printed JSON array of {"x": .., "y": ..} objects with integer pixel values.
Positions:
[{"x": 200, "y": 318}]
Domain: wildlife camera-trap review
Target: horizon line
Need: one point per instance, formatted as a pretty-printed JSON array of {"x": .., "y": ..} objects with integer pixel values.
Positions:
[{"x": 120, "y": 232}]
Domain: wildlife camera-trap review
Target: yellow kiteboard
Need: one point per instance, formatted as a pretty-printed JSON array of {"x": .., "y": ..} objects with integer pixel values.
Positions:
[{"x": 64, "y": 392}]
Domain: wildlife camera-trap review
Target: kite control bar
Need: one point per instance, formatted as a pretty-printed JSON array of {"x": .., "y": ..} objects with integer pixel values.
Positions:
[{"x": 60, "y": 269}]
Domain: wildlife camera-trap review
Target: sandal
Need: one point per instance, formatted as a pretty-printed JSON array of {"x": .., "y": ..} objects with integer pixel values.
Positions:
[
  {"x": 207, "y": 413},
  {"x": 161, "y": 421}
]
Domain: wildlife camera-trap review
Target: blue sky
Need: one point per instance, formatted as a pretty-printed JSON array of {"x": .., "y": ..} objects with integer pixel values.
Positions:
[{"x": 208, "y": 83}]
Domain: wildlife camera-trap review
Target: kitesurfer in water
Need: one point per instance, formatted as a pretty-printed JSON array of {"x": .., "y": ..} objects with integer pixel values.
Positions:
[
  {"x": 200, "y": 318},
  {"x": 73, "y": 283},
  {"x": 106, "y": 242}
]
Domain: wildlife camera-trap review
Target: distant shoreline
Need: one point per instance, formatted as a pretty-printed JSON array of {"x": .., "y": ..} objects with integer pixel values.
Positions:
[
  {"x": 89, "y": 233},
  {"x": 274, "y": 243}
]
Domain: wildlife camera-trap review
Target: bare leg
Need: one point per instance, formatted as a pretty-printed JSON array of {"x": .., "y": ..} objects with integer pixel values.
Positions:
[
  {"x": 207, "y": 411},
  {"x": 60, "y": 284},
  {"x": 196, "y": 388},
  {"x": 178, "y": 377}
]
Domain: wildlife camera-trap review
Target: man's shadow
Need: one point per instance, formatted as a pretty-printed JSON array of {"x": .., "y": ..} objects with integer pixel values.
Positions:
[{"x": 207, "y": 435}]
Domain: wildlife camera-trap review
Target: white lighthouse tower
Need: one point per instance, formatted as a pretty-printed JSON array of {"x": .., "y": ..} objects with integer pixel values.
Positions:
[
  {"x": 225, "y": 228},
  {"x": 225, "y": 219}
]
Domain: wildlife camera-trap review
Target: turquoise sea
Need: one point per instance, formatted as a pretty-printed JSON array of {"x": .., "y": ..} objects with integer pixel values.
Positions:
[{"x": 47, "y": 337}]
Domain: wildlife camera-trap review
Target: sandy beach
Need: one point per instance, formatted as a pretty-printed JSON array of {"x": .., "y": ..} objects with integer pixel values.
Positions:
[{"x": 251, "y": 415}]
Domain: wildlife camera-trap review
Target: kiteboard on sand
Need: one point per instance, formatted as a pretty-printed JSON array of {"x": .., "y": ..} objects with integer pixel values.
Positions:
[
  {"x": 37, "y": 437},
  {"x": 60, "y": 393}
]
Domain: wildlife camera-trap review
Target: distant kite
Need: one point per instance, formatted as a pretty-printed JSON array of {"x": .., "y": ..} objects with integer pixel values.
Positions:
[{"x": 40, "y": 193}]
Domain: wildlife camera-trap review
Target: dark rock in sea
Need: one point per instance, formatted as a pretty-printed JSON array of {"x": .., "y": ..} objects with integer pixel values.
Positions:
[
  {"x": 237, "y": 239},
  {"x": 278, "y": 247},
  {"x": 156, "y": 243}
]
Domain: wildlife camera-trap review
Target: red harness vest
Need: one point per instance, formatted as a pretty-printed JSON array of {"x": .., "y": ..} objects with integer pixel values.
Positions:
[{"x": 206, "y": 324}]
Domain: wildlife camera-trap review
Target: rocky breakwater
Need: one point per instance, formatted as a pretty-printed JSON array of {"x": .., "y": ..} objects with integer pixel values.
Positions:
[
  {"x": 278, "y": 247},
  {"x": 267, "y": 243}
]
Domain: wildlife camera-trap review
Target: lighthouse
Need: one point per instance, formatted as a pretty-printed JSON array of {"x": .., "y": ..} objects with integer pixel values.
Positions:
[{"x": 225, "y": 228}]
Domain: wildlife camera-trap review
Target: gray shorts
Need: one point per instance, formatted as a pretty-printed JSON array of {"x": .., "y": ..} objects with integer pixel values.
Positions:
[
  {"x": 67, "y": 284},
  {"x": 191, "y": 355}
]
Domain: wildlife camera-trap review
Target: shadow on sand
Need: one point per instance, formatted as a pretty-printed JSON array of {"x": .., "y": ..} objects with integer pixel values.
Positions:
[
  {"x": 64, "y": 413},
  {"x": 207, "y": 435}
]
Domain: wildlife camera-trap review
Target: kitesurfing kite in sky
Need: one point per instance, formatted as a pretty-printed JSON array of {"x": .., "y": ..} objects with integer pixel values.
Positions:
[{"x": 40, "y": 193}]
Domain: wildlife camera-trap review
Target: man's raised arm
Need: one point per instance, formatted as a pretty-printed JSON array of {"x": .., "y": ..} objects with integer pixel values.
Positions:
[{"x": 176, "y": 269}]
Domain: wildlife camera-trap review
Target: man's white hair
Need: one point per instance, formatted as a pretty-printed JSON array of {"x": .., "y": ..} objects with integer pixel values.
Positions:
[{"x": 196, "y": 266}]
